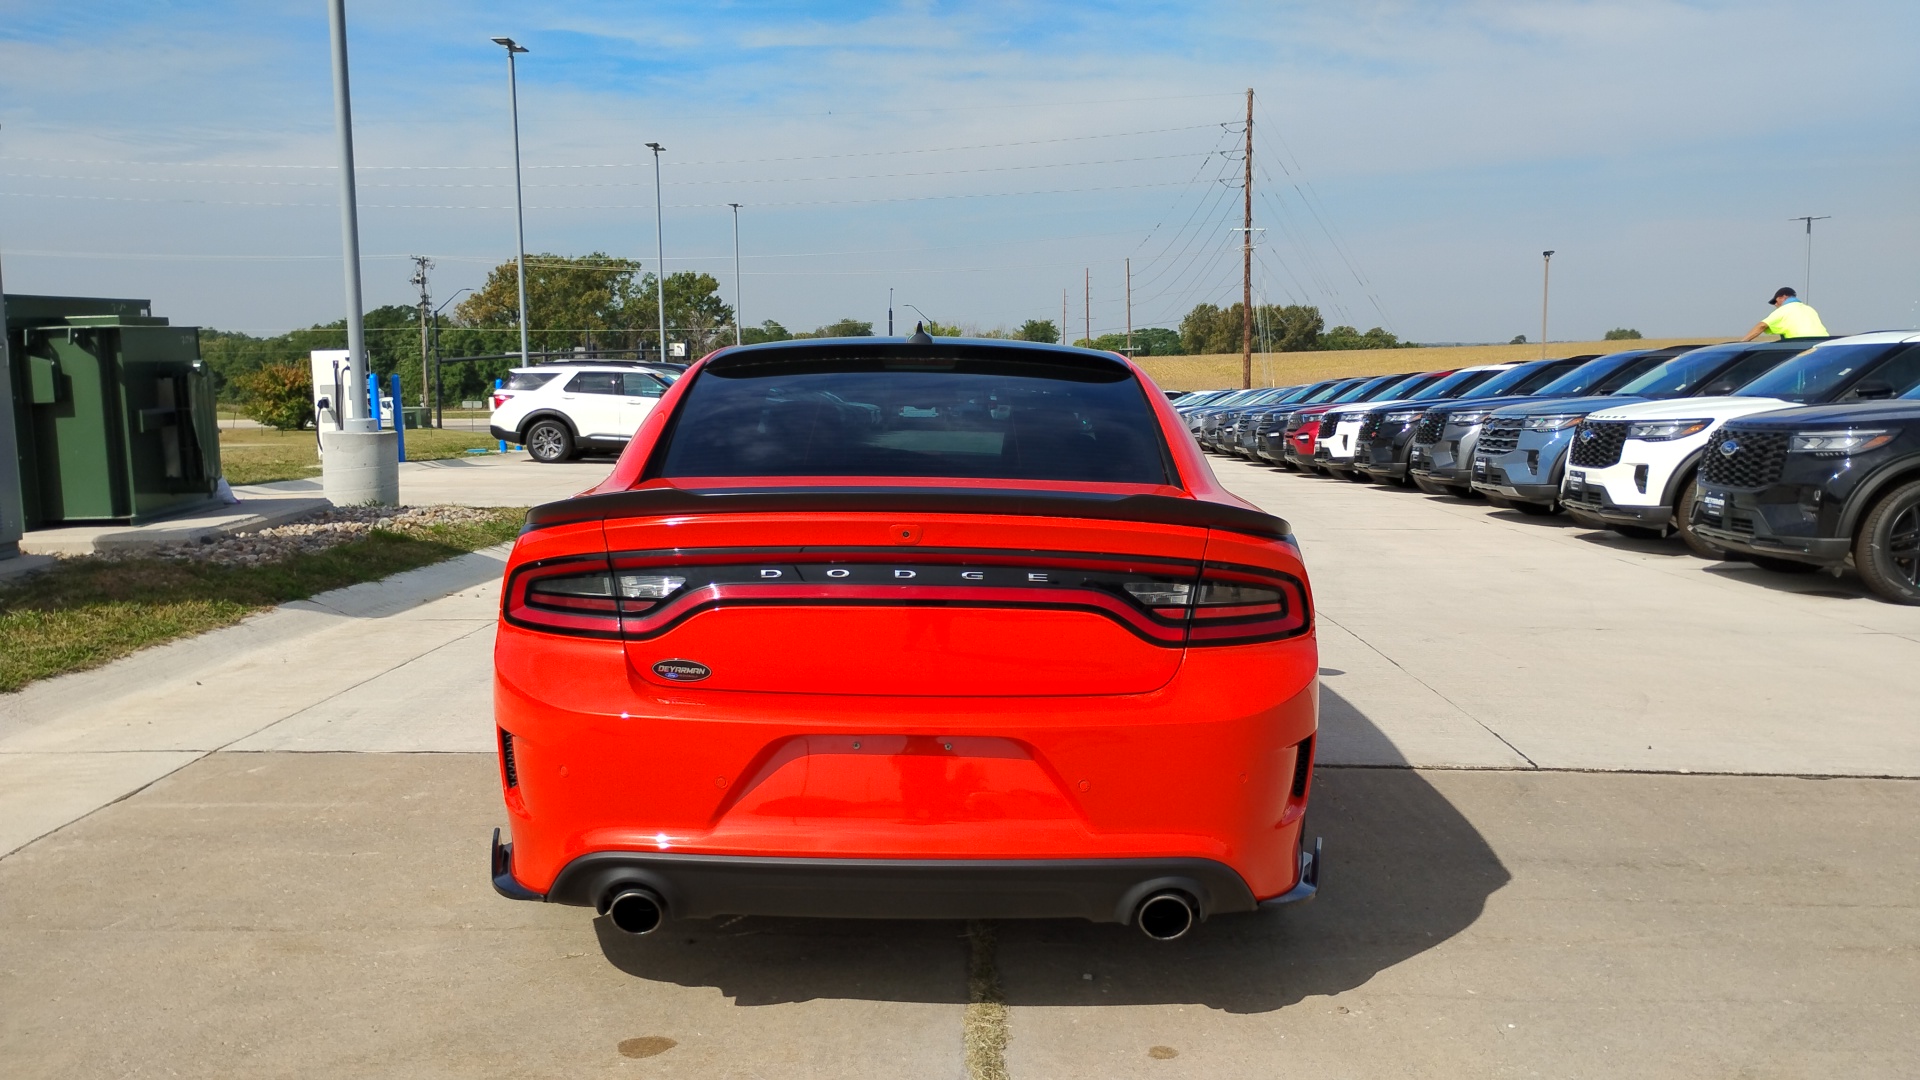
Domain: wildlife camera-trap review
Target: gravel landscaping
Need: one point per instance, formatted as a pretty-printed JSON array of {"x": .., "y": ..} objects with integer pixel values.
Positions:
[{"x": 312, "y": 534}]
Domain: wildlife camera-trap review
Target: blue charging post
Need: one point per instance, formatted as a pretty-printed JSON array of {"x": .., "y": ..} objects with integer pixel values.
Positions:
[
  {"x": 497, "y": 384},
  {"x": 373, "y": 399},
  {"x": 399, "y": 416}
]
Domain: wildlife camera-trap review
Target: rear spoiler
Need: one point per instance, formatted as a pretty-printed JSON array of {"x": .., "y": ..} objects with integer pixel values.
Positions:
[{"x": 668, "y": 501}]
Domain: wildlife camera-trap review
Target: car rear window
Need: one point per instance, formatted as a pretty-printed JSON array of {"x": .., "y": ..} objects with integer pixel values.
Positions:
[
  {"x": 529, "y": 380},
  {"x": 964, "y": 417}
]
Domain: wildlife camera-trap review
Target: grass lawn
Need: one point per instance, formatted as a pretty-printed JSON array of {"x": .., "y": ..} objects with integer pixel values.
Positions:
[
  {"x": 86, "y": 612},
  {"x": 263, "y": 455}
]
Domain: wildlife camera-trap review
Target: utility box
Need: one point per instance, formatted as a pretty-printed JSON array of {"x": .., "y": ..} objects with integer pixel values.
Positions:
[{"x": 114, "y": 412}]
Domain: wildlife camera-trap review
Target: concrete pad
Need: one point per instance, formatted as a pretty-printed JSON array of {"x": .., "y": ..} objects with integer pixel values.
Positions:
[
  {"x": 161, "y": 708},
  {"x": 1521, "y": 924},
  {"x": 1373, "y": 712},
  {"x": 43, "y": 792},
  {"x": 1586, "y": 650},
  {"x": 193, "y": 527},
  {"x": 329, "y": 915},
  {"x": 439, "y": 702}
]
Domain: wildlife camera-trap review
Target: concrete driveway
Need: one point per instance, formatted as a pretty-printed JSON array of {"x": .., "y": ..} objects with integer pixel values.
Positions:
[{"x": 261, "y": 852}]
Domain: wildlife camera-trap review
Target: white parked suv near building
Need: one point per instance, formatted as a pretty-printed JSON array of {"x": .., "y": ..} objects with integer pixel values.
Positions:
[
  {"x": 559, "y": 411},
  {"x": 1631, "y": 467}
]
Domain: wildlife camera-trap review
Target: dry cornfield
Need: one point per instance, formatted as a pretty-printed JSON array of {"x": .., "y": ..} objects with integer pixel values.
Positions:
[{"x": 1277, "y": 369}]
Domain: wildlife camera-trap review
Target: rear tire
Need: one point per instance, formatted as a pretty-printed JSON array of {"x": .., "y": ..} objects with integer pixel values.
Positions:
[
  {"x": 1887, "y": 550},
  {"x": 1683, "y": 521},
  {"x": 1781, "y": 566},
  {"x": 549, "y": 441}
]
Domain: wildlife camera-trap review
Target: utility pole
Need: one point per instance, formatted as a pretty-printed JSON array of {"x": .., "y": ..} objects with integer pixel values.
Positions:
[
  {"x": 1129, "y": 309},
  {"x": 421, "y": 264},
  {"x": 659, "y": 250},
  {"x": 1246, "y": 260},
  {"x": 738, "y": 338},
  {"x": 1809, "y": 219},
  {"x": 889, "y": 311},
  {"x": 1546, "y": 277},
  {"x": 1063, "y": 316},
  {"x": 1086, "y": 307}
]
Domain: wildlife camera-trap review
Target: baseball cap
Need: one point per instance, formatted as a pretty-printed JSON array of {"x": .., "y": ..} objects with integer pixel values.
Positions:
[{"x": 1783, "y": 291}]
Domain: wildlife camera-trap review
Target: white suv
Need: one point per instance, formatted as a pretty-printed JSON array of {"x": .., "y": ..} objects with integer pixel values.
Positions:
[
  {"x": 559, "y": 411},
  {"x": 1631, "y": 467}
]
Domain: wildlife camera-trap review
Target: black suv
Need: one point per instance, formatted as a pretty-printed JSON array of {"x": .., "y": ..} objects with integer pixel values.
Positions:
[{"x": 1805, "y": 488}]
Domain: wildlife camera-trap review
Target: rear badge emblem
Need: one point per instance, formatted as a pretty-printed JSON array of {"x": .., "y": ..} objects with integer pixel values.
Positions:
[
  {"x": 1729, "y": 448},
  {"x": 682, "y": 670}
]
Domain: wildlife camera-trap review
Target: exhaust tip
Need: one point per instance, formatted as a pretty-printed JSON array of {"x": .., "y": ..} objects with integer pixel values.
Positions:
[
  {"x": 1165, "y": 916},
  {"x": 636, "y": 911}
]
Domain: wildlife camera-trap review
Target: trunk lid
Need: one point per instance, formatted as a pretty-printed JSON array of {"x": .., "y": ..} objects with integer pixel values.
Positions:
[{"x": 912, "y": 604}]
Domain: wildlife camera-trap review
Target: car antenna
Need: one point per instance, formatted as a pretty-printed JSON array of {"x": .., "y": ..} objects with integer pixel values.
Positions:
[{"x": 920, "y": 335}]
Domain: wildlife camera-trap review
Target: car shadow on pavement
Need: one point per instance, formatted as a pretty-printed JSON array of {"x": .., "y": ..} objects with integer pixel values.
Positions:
[
  {"x": 1404, "y": 872},
  {"x": 1824, "y": 585}
]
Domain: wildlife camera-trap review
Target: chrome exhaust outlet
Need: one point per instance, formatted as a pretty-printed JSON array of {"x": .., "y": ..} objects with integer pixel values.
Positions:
[
  {"x": 637, "y": 911},
  {"x": 1165, "y": 916}
]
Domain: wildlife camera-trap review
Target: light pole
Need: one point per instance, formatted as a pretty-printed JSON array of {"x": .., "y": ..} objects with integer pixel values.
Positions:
[
  {"x": 1809, "y": 219},
  {"x": 519, "y": 206},
  {"x": 1546, "y": 268},
  {"x": 737, "y": 335},
  {"x": 923, "y": 316},
  {"x": 358, "y": 463},
  {"x": 889, "y": 311},
  {"x": 659, "y": 250}
]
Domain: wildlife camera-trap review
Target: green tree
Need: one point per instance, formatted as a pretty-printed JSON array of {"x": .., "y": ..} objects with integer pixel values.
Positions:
[
  {"x": 1209, "y": 328},
  {"x": 1156, "y": 341},
  {"x": 1345, "y": 338},
  {"x": 766, "y": 331},
  {"x": 1518, "y": 339},
  {"x": 842, "y": 328},
  {"x": 1038, "y": 330},
  {"x": 1623, "y": 334}
]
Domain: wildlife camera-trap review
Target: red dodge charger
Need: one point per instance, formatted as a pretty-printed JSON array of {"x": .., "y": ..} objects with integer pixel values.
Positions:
[{"x": 907, "y": 629}]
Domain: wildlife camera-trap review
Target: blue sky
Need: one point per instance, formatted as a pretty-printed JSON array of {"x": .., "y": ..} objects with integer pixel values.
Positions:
[{"x": 1413, "y": 159}]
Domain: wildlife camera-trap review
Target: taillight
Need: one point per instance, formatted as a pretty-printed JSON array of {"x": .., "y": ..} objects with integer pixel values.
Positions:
[
  {"x": 635, "y": 596},
  {"x": 584, "y": 596},
  {"x": 1237, "y": 605},
  {"x": 500, "y": 399}
]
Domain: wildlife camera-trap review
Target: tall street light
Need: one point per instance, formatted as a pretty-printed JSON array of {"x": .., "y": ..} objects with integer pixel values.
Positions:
[
  {"x": 358, "y": 463},
  {"x": 519, "y": 207},
  {"x": 659, "y": 249},
  {"x": 1546, "y": 268},
  {"x": 737, "y": 337},
  {"x": 1809, "y": 219}
]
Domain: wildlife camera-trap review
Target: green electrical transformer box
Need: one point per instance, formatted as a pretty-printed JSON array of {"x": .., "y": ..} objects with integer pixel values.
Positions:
[{"x": 114, "y": 411}]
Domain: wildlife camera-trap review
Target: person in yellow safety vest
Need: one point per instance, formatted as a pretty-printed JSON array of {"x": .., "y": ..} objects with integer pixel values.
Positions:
[{"x": 1791, "y": 318}]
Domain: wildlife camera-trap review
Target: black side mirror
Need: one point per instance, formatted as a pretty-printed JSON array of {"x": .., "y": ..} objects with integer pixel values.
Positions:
[{"x": 1872, "y": 390}]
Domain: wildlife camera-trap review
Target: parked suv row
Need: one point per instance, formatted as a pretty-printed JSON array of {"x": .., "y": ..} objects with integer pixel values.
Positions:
[{"x": 1796, "y": 455}]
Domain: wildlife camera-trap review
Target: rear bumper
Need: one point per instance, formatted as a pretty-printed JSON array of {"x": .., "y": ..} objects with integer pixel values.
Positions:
[
  {"x": 705, "y": 886},
  {"x": 502, "y": 434}
]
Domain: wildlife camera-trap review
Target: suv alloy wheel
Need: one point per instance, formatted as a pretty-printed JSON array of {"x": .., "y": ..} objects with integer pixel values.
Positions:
[
  {"x": 549, "y": 441},
  {"x": 1887, "y": 551}
]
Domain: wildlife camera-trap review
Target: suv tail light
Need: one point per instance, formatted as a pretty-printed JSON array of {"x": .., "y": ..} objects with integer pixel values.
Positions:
[
  {"x": 1174, "y": 605},
  {"x": 500, "y": 399}
]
